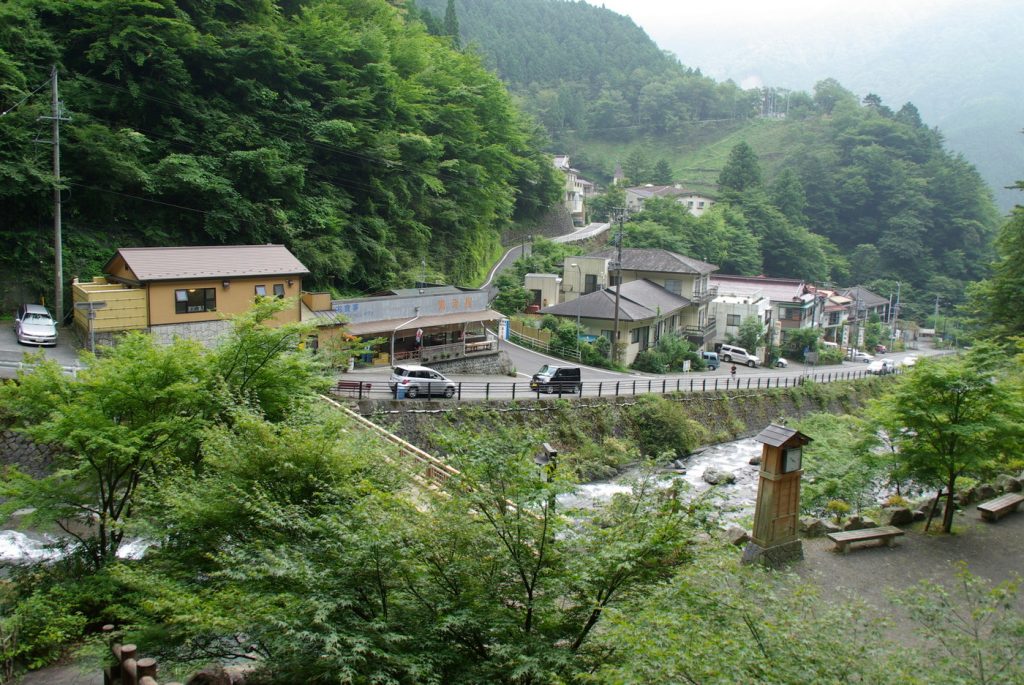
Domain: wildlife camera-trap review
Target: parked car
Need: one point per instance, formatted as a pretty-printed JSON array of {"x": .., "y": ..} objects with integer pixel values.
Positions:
[
  {"x": 780, "y": 363},
  {"x": 731, "y": 353},
  {"x": 881, "y": 349},
  {"x": 858, "y": 356},
  {"x": 413, "y": 381},
  {"x": 908, "y": 360},
  {"x": 33, "y": 325},
  {"x": 710, "y": 359},
  {"x": 882, "y": 367},
  {"x": 557, "y": 379}
]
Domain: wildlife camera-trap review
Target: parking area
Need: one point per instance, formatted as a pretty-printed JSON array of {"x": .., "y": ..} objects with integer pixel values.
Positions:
[{"x": 11, "y": 352}]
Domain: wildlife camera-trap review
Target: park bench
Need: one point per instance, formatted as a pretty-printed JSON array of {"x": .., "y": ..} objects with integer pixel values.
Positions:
[
  {"x": 994, "y": 509},
  {"x": 353, "y": 388},
  {"x": 844, "y": 538}
]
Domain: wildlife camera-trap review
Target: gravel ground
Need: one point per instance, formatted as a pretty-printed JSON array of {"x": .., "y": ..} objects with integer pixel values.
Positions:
[{"x": 992, "y": 550}]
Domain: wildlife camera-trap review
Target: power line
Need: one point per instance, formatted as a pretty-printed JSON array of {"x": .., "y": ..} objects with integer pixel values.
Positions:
[{"x": 22, "y": 101}]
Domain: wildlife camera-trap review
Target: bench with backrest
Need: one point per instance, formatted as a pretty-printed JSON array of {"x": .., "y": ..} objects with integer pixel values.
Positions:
[
  {"x": 994, "y": 509},
  {"x": 844, "y": 538},
  {"x": 353, "y": 388}
]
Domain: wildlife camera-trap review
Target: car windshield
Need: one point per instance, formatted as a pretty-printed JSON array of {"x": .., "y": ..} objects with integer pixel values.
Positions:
[
  {"x": 545, "y": 370},
  {"x": 38, "y": 318}
]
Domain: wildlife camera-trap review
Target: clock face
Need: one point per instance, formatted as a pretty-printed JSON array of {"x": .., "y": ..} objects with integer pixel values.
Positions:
[{"x": 791, "y": 459}]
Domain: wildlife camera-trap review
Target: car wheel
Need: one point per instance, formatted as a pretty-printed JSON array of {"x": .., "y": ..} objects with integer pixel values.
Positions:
[
  {"x": 726, "y": 358},
  {"x": 449, "y": 392},
  {"x": 751, "y": 363},
  {"x": 413, "y": 392}
]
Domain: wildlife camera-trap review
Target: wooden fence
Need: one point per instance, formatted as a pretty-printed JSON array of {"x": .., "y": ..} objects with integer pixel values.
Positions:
[{"x": 127, "y": 669}]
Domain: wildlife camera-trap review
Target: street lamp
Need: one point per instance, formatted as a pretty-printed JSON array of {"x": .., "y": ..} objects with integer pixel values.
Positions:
[{"x": 579, "y": 296}]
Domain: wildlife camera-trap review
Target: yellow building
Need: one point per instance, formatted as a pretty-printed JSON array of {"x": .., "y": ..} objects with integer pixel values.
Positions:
[{"x": 185, "y": 291}]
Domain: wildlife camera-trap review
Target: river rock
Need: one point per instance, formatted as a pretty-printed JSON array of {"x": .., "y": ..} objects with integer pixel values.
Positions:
[
  {"x": 714, "y": 476},
  {"x": 966, "y": 496},
  {"x": 755, "y": 461},
  {"x": 859, "y": 523},
  {"x": 812, "y": 527},
  {"x": 986, "y": 492},
  {"x": 1007, "y": 484},
  {"x": 900, "y": 516},
  {"x": 737, "y": 536}
]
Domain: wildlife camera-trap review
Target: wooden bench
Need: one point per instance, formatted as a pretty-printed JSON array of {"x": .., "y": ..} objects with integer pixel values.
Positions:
[
  {"x": 843, "y": 539},
  {"x": 353, "y": 388},
  {"x": 994, "y": 509}
]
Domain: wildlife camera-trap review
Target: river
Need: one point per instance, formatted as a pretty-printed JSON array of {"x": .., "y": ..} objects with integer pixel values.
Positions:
[{"x": 736, "y": 500}]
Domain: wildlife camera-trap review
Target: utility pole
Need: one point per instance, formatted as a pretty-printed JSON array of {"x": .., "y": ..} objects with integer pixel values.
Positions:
[
  {"x": 58, "y": 257},
  {"x": 896, "y": 313},
  {"x": 618, "y": 287}
]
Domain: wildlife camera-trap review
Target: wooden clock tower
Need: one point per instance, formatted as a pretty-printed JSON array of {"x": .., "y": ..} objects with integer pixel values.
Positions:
[{"x": 777, "y": 513}]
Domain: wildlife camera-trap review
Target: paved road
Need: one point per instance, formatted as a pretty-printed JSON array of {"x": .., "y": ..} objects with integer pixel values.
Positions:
[{"x": 12, "y": 353}]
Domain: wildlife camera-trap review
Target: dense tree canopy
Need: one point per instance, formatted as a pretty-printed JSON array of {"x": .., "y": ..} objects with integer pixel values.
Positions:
[{"x": 341, "y": 129}]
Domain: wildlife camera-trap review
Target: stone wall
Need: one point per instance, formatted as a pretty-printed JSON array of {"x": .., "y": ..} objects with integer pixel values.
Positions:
[
  {"x": 18, "y": 450},
  {"x": 209, "y": 333},
  {"x": 497, "y": 363},
  {"x": 725, "y": 415}
]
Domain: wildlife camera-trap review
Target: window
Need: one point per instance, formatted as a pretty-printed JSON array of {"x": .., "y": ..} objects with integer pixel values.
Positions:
[
  {"x": 613, "y": 279},
  {"x": 674, "y": 286},
  {"x": 195, "y": 300},
  {"x": 261, "y": 290},
  {"x": 732, "y": 319},
  {"x": 700, "y": 205},
  {"x": 279, "y": 290},
  {"x": 641, "y": 336},
  {"x": 591, "y": 283}
]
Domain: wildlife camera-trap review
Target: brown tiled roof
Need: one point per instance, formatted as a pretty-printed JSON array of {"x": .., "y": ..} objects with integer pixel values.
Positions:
[{"x": 221, "y": 261}]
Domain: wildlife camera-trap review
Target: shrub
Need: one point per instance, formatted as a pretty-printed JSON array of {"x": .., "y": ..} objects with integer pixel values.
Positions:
[
  {"x": 659, "y": 425},
  {"x": 837, "y": 508}
]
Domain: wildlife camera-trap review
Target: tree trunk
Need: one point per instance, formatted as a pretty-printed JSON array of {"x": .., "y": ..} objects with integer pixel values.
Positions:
[{"x": 947, "y": 517}]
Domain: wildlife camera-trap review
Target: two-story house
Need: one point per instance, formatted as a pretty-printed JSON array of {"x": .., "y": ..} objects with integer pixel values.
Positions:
[
  {"x": 696, "y": 203},
  {"x": 681, "y": 309},
  {"x": 793, "y": 303}
]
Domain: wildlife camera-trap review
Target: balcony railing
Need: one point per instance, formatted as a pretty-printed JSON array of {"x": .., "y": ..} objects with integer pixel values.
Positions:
[
  {"x": 435, "y": 353},
  {"x": 701, "y": 333},
  {"x": 704, "y": 296}
]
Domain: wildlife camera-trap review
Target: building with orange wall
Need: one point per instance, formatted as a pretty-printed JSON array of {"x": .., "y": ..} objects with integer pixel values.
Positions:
[{"x": 185, "y": 291}]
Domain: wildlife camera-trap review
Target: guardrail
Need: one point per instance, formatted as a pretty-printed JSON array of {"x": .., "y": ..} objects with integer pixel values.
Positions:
[
  {"x": 476, "y": 390},
  {"x": 18, "y": 366}
]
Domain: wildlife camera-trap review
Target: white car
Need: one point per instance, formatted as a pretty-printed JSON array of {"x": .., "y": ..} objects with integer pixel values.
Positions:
[
  {"x": 908, "y": 361},
  {"x": 858, "y": 356},
  {"x": 882, "y": 367},
  {"x": 33, "y": 325}
]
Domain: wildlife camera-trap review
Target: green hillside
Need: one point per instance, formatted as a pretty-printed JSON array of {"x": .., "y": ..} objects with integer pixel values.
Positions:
[{"x": 340, "y": 129}]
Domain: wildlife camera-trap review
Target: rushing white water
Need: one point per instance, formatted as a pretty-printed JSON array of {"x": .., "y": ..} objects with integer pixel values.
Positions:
[
  {"x": 17, "y": 547},
  {"x": 736, "y": 500}
]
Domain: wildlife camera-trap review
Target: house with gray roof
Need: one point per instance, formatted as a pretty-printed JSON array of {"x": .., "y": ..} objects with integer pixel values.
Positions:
[
  {"x": 646, "y": 311},
  {"x": 660, "y": 274},
  {"x": 696, "y": 202}
]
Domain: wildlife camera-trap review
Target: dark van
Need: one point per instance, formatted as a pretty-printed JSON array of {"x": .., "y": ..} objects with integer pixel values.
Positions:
[{"x": 558, "y": 379}]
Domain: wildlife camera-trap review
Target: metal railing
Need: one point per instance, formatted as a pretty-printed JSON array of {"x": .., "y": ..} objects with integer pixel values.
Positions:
[{"x": 693, "y": 383}]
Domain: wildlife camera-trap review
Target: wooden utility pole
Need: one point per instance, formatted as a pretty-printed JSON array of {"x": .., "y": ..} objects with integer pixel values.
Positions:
[
  {"x": 58, "y": 256},
  {"x": 614, "y": 354}
]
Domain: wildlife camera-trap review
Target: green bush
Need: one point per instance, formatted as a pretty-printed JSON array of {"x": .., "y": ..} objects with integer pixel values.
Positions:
[{"x": 660, "y": 425}]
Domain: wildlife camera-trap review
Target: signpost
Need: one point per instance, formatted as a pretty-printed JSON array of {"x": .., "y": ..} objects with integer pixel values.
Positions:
[{"x": 90, "y": 308}]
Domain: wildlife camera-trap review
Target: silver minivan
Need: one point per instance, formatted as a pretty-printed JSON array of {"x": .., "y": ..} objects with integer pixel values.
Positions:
[
  {"x": 33, "y": 325},
  {"x": 410, "y": 380}
]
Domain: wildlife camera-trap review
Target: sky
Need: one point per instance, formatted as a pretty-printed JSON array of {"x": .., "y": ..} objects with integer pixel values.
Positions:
[{"x": 714, "y": 36}]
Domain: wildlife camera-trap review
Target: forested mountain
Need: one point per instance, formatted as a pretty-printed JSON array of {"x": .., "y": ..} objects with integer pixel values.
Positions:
[
  {"x": 584, "y": 68},
  {"x": 849, "y": 191},
  {"x": 341, "y": 129}
]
